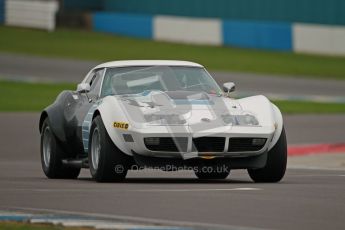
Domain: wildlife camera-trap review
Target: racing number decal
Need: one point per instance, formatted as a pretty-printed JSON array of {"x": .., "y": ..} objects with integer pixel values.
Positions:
[{"x": 120, "y": 125}]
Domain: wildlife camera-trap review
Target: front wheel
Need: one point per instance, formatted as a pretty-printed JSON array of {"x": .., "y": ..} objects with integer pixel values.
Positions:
[
  {"x": 275, "y": 167},
  {"x": 107, "y": 162}
]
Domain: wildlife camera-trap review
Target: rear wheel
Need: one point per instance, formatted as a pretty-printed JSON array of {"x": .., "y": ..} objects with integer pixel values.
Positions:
[
  {"x": 107, "y": 162},
  {"x": 52, "y": 155},
  {"x": 275, "y": 167}
]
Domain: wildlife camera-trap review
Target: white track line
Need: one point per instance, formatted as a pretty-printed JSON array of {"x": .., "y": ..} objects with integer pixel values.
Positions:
[
  {"x": 308, "y": 167},
  {"x": 139, "y": 220},
  {"x": 135, "y": 190},
  {"x": 198, "y": 190}
]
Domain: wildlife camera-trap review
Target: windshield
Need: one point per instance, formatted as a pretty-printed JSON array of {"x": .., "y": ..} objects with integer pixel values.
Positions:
[{"x": 134, "y": 80}]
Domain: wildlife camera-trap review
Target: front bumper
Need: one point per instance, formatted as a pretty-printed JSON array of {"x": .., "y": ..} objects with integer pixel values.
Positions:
[{"x": 189, "y": 149}]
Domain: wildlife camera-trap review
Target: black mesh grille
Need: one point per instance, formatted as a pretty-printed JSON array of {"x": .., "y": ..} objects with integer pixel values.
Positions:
[
  {"x": 245, "y": 144},
  {"x": 209, "y": 144},
  {"x": 168, "y": 144}
]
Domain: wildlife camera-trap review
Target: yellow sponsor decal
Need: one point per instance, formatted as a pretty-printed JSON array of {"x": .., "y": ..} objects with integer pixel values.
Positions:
[{"x": 120, "y": 125}]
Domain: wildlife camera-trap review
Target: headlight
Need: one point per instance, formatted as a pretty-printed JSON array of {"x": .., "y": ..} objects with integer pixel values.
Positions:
[
  {"x": 164, "y": 119},
  {"x": 229, "y": 119},
  {"x": 245, "y": 119}
]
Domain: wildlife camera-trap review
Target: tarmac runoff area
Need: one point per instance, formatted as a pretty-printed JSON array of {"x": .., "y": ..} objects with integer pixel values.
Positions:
[{"x": 311, "y": 195}]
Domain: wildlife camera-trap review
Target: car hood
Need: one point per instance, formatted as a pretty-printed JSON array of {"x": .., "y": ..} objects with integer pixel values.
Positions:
[{"x": 198, "y": 110}]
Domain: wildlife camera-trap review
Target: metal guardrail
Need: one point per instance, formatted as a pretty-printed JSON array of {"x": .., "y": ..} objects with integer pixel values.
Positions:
[{"x": 31, "y": 13}]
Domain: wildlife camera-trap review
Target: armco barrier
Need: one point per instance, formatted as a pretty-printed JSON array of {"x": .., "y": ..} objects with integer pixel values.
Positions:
[
  {"x": 188, "y": 30},
  {"x": 260, "y": 35},
  {"x": 31, "y": 13},
  {"x": 319, "y": 39},
  {"x": 265, "y": 35},
  {"x": 2, "y": 12},
  {"x": 123, "y": 24},
  {"x": 308, "y": 38}
]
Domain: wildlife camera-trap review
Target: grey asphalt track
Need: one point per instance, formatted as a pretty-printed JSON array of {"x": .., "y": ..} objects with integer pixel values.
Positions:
[
  {"x": 52, "y": 69},
  {"x": 305, "y": 199}
]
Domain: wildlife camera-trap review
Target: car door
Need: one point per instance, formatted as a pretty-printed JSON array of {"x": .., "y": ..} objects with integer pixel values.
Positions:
[{"x": 87, "y": 99}]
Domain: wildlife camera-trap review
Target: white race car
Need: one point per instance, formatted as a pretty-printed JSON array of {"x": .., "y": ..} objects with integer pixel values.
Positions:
[{"x": 168, "y": 115}]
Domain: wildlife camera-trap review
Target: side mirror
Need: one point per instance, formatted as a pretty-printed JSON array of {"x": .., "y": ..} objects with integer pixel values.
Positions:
[
  {"x": 229, "y": 87},
  {"x": 83, "y": 88}
]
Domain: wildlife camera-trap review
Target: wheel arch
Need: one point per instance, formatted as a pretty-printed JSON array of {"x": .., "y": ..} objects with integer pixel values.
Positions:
[
  {"x": 95, "y": 114},
  {"x": 43, "y": 116},
  {"x": 110, "y": 112},
  {"x": 55, "y": 114},
  {"x": 267, "y": 113},
  {"x": 278, "y": 123}
]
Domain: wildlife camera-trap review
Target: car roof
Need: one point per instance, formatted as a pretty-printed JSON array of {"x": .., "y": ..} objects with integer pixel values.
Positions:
[{"x": 147, "y": 63}]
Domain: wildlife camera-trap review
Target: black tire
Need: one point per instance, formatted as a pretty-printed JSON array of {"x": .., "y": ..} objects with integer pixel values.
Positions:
[
  {"x": 52, "y": 155},
  {"x": 209, "y": 172},
  {"x": 275, "y": 167},
  {"x": 112, "y": 164}
]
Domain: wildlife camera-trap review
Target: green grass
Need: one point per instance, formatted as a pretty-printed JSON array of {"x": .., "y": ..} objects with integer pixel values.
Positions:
[
  {"x": 27, "y": 226},
  {"x": 21, "y": 96},
  {"x": 300, "y": 107},
  {"x": 87, "y": 45}
]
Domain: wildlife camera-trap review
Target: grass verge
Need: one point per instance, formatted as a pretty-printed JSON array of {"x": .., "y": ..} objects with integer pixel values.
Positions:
[
  {"x": 302, "y": 107},
  {"x": 27, "y": 226},
  {"x": 88, "y": 45},
  {"x": 21, "y": 96}
]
